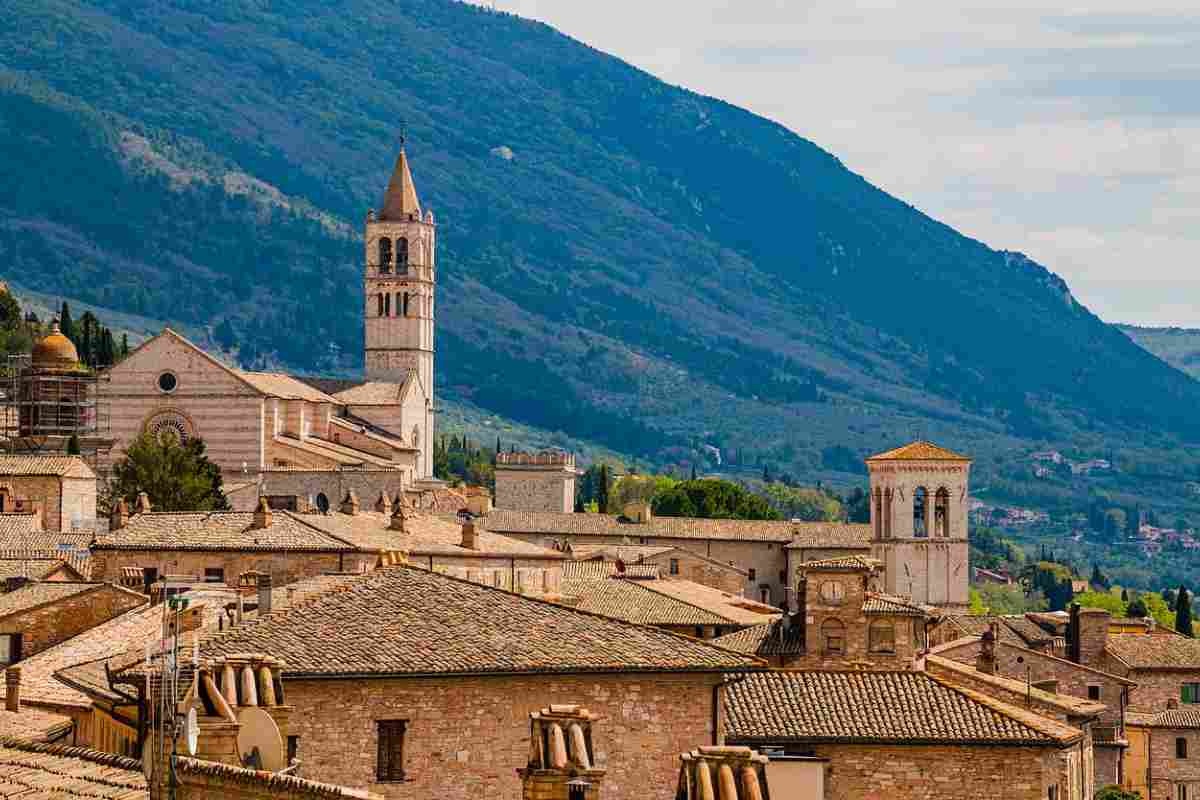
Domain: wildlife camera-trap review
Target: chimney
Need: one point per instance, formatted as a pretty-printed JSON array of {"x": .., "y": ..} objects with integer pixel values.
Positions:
[
  {"x": 12, "y": 685},
  {"x": 383, "y": 505},
  {"x": 399, "y": 519},
  {"x": 1172, "y": 703},
  {"x": 264, "y": 595},
  {"x": 986, "y": 660},
  {"x": 350, "y": 503},
  {"x": 1073, "y": 634},
  {"x": 638, "y": 512},
  {"x": 262, "y": 515},
  {"x": 118, "y": 518},
  {"x": 143, "y": 503},
  {"x": 470, "y": 540}
]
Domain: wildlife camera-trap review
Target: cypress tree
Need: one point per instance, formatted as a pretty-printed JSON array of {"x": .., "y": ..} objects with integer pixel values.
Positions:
[
  {"x": 693, "y": 470},
  {"x": 1183, "y": 612},
  {"x": 66, "y": 324},
  {"x": 73, "y": 445},
  {"x": 602, "y": 490},
  {"x": 124, "y": 344}
]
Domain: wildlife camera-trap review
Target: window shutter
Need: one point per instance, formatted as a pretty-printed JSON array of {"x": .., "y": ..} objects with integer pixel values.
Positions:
[
  {"x": 16, "y": 647},
  {"x": 1187, "y": 695}
]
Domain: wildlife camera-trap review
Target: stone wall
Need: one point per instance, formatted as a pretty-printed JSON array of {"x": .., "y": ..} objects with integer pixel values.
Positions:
[
  {"x": 927, "y": 772},
  {"x": 45, "y": 626},
  {"x": 466, "y": 737},
  {"x": 1093, "y": 636},
  {"x": 283, "y": 566},
  {"x": 528, "y": 576},
  {"x": 700, "y": 570},
  {"x": 1168, "y": 772},
  {"x": 334, "y": 483},
  {"x": 1155, "y": 688},
  {"x": 534, "y": 489}
]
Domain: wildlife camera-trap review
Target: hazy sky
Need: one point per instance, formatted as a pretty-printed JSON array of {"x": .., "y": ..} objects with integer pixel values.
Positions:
[{"x": 1067, "y": 132}]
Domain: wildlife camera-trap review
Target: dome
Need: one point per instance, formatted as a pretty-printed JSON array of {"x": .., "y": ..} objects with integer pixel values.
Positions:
[{"x": 55, "y": 351}]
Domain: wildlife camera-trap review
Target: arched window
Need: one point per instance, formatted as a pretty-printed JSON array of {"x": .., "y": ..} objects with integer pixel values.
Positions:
[
  {"x": 402, "y": 255},
  {"x": 881, "y": 637},
  {"x": 416, "y": 436},
  {"x": 379, "y": 297},
  {"x": 322, "y": 503},
  {"x": 385, "y": 254},
  {"x": 833, "y": 637},
  {"x": 405, "y": 304},
  {"x": 878, "y": 513},
  {"x": 941, "y": 513},
  {"x": 920, "y": 512},
  {"x": 887, "y": 513}
]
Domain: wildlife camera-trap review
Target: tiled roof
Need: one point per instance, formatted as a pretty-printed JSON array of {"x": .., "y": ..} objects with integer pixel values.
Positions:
[
  {"x": 126, "y": 633},
  {"x": 736, "y": 608},
  {"x": 400, "y": 198},
  {"x": 221, "y": 530},
  {"x": 35, "y": 724},
  {"x": 1015, "y": 627},
  {"x": 633, "y": 554},
  {"x": 276, "y": 384},
  {"x": 370, "y": 431},
  {"x": 407, "y": 621},
  {"x": 330, "y": 386},
  {"x": 632, "y": 601},
  {"x": 1140, "y": 651},
  {"x": 91, "y": 677},
  {"x": 21, "y": 539},
  {"x": 426, "y": 534},
  {"x": 770, "y": 639},
  {"x": 1171, "y": 718},
  {"x": 882, "y": 707},
  {"x": 604, "y": 569},
  {"x": 31, "y": 770},
  {"x": 56, "y": 466},
  {"x": 842, "y": 563},
  {"x": 552, "y": 523},
  {"x": 373, "y": 393},
  {"x": 35, "y": 567},
  {"x": 954, "y": 671},
  {"x": 972, "y": 642},
  {"x": 919, "y": 451},
  {"x": 892, "y": 605},
  {"x": 17, "y": 526},
  {"x": 338, "y": 453},
  {"x": 38, "y": 594},
  {"x": 266, "y": 784}
]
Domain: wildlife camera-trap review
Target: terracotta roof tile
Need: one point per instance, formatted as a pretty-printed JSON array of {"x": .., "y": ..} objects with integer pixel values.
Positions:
[
  {"x": 883, "y": 707},
  {"x": 643, "y": 602},
  {"x": 267, "y": 784},
  {"x": 954, "y": 671},
  {"x": 769, "y": 639},
  {"x": 38, "y": 594},
  {"x": 277, "y": 384},
  {"x": 1171, "y": 718},
  {"x": 34, "y": 724},
  {"x": 14, "y": 527},
  {"x": 374, "y": 393},
  {"x": 403, "y": 620},
  {"x": 1140, "y": 651},
  {"x": 32, "y": 770},
  {"x": 919, "y": 451},
  {"x": 842, "y": 563},
  {"x": 221, "y": 530},
  {"x": 596, "y": 569},
  {"x": 1014, "y": 627},
  {"x": 633, "y": 554},
  {"x": 56, "y": 466},
  {"x": 886, "y": 604},
  {"x": 35, "y": 567},
  {"x": 427, "y": 534},
  {"x": 733, "y": 607},
  {"x": 815, "y": 534},
  {"x": 338, "y": 453}
]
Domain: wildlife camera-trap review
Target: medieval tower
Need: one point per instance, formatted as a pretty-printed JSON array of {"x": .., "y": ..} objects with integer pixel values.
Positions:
[
  {"x": 399, "y": 281},
  {"x": 919, "y": 497}
]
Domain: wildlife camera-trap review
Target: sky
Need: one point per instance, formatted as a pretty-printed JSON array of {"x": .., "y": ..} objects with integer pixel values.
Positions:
[{"x": 1069, "y": 133}]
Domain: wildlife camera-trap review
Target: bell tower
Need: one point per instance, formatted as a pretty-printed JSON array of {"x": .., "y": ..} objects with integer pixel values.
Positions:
[{"x": 398, "y": 301}]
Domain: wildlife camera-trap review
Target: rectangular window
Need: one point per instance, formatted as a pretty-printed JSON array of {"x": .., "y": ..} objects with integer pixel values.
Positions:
[
  {"x": 214, "y": 575},
  {"x": 1190, "y": 693},
  {"x": 674, "y": 566},
  {"x": 1093, "y": 692},
  {"x": 10, "y": 648},
  {"x": 752, "y": 574},
  {"x": 1181, "y": 747},
  {"x": 1181, "y": 792},
  {"x": 293, "y": 744},
  {"x": 390, "y": 763}
]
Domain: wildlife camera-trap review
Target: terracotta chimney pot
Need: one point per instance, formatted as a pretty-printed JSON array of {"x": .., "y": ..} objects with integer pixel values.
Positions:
[
  {"x": 143, "y": 503},
  {"x": 12, "y": 685},
  {"x": 263, "y": 516}
]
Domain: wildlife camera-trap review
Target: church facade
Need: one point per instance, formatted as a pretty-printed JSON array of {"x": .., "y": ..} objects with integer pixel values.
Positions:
[{"x": 286, "y": 433}]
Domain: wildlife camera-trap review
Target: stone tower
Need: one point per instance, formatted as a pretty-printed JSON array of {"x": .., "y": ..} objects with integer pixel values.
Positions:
[
  {"x": 919, "y": 497},
  {"x": 398, "y": 296}
]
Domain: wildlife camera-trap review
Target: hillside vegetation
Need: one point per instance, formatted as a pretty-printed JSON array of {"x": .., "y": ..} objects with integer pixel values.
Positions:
[{"x": 622, "y": 260}]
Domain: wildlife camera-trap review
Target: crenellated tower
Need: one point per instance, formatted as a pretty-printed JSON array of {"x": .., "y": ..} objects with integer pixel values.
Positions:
[{"x": 399, "y": 282}]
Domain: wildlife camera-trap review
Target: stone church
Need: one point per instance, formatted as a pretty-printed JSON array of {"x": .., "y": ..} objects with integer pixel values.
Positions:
[{"x": 303, "y": 440}]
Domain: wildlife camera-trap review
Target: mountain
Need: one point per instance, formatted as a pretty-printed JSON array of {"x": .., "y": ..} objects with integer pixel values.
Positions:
[
  {"x": 623, "y": 260},
  {"x": 1179, "y": 347}
]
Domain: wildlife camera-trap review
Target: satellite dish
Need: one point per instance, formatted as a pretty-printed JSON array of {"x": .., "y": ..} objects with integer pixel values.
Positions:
[
  {"x": 259, "y": 740},
  {"x": 191, "y": 730}
]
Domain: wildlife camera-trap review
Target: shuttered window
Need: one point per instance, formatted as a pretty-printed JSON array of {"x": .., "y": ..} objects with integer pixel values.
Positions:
[{"x": 390, "y": 765}]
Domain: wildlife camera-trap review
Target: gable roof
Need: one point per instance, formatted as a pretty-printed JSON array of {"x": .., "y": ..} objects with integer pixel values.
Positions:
[
  {"x": 919, "y": 451},
  {"x": 1187, "y": 717},
  {"x": 35, "y": 568},
  {"x": 405, "y": 621},
  {"x": 550, "y": 523},
  {"x": 878, "y": 707},
  {"x": 426, "y": 534},
  {"x": 891, "y": 605},
  {"x": 634, "y": 555},
  {"x": 51, "y": 466},
  {"x": 769, "y": 639},
  {"x": 14, "y": 528},
  {"x": 842, "y": 564},
  {"x": 376, "y": 393},
  {"x": 34, "y": 724},
  {"x": 35, "y": 595},
  {"x": 596, "y": 569},
  {"x": 221, "y": 530},
  {"x": 973, "y": 641},
  {"x": 1013, "y": 627},
  {"x": 285, "y": 387},
  {"x": 400, "y": 199},
  {"x": 661, "y": 602},
  {"x": 1065, "y": 703},
  {"x": 1139, "y": 651},
  {"x": 33, "y": 770}
]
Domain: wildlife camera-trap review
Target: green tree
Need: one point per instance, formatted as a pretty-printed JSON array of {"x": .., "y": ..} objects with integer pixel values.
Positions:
[
  {"x": 176, "y": 477},
  {"x": 1000, "y": 599},
  {"x": 67, "y": 325},
  {"x": 10, "y": 312},
  {"x": 1098, "y": 579},
  {"x": 73, "y": 445},
  {"x": 712, "y": 499},
  {"x": 1137, "y": 607},
  {"x": 602, "y": 488},
  {"x": 1106, "y": 600},
  {"x": 798, "y": 502},
  {"x": 1112, "y": 792},
  {"x": 1183, "y": 611}
]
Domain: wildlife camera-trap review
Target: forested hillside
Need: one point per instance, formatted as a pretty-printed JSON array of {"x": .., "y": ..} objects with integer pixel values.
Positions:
[{"x": 623, "y": 260}]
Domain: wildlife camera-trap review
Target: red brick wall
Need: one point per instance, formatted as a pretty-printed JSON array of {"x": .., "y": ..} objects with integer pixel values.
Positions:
[
  {"x": 874, "y": 772},
  {"x": 466, "y": 737},
  {"x": 43, "y": 627}
]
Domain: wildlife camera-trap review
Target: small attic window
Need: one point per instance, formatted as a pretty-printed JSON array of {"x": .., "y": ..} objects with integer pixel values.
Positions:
[{"x": 167, "y": 382}]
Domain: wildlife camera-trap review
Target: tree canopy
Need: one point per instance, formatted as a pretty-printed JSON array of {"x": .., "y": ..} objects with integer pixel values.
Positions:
[
  {"x": 712, "y": 499},
  {"x": 177, "y": 477}
]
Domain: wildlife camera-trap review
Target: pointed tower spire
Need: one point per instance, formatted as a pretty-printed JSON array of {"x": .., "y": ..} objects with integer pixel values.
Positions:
[{"x": 400, "y": 201}]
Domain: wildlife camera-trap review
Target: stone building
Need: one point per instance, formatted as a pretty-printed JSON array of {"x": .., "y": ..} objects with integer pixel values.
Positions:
[
  {"x": 733, "y": 773},
  {"x": 536, "y": 481},
  {"x": 1162, "y": 759},
  {"x": 40, "y": 615},
  {"x": 413, "y": 684},
  {"x": 668, "y": 562},
  {"x": 903, "y": 735},
  {"x": 255, "y": 423},
  {"x": 59, "y": 491}
]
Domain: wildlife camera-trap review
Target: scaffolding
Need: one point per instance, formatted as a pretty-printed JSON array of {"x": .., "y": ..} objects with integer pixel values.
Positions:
[{"x": 42, "y": 409}]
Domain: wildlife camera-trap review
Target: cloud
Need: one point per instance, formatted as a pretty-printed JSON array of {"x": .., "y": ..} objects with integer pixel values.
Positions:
[{"x": 1073, "y": 137}]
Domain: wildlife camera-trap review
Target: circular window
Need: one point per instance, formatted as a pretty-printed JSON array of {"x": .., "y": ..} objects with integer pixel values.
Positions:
[
  {"x": 167, "y": 382},
  {"x": 169, "y": 425}
]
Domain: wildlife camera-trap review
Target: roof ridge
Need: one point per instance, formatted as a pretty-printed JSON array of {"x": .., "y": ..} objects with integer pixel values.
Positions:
[
  {"x": 82, "y": 753},
  {"x": 295, "y": 516},
  {"x": 1038, "y": 724},
  {"x": 646, "y": 585}
]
